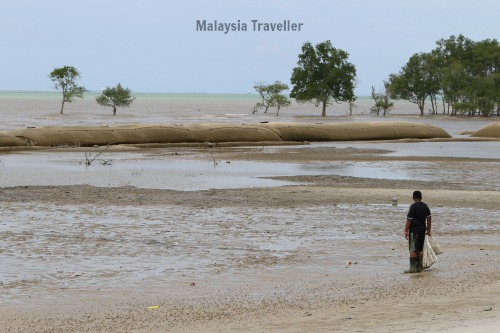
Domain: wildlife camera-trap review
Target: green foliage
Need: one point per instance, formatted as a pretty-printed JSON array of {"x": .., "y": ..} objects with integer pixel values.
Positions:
[
  {"x": 115, "y": 97},
  {"x": 465, "y": 73},
  {"x": 485, "y": 105},
  {"x": 65, "y": 78},
  {"x": 271, "y": 96},
  {"x": 382, "y": 102},
  {"x": 323, "y": 74},
  {"x": 278, "y": 101},
  {"x": 416, "y": 81}
]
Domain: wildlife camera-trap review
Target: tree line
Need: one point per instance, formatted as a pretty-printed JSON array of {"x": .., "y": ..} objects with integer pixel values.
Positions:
[{"x": 459, "y": 77}]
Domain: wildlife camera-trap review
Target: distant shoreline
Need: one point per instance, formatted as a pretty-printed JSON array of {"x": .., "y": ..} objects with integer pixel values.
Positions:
[{"x": 92, "y": 92}]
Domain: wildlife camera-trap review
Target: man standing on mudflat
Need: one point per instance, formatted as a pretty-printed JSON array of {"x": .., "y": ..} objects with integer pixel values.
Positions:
[{"x": 418, "y": 224}]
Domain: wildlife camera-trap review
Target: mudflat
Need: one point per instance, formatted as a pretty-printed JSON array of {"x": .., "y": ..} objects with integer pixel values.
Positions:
[{"x": 325, "y": 254}]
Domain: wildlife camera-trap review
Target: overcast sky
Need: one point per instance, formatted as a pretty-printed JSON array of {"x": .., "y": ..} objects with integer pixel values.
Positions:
[{"x": 154, "y": 45}]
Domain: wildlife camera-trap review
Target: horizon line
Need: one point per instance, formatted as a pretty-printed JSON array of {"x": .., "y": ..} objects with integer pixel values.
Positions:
[{"x": 146, "y": 92}]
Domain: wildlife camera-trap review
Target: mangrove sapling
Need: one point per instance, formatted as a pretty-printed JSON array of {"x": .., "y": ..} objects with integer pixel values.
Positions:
[
  {"x": 116, "y": 97},
  {"x": 214, "y": 159},
  {"x": 213, "y": 153},
  {"x": 271, "y": 96},
  {"x": 382, "y": 102}
]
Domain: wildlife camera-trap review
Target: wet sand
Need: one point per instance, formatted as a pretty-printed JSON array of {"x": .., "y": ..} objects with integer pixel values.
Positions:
[{"x": 325, "y": 255}]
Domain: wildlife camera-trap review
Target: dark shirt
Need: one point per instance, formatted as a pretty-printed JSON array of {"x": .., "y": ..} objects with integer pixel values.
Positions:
[{"x": 418, "y": 214}]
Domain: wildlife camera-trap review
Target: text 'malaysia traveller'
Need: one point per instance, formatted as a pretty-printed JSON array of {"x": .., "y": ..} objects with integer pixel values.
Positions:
[{"x": 255, "y": 25}]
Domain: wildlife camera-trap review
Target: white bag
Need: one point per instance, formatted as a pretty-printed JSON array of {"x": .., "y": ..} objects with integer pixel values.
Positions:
[
  {"x": 429, "y": 257},
  {"x": 435, "y": 247}
]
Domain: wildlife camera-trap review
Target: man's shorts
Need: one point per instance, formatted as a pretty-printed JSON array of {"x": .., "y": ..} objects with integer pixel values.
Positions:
[{"x": 416, "y": 242}]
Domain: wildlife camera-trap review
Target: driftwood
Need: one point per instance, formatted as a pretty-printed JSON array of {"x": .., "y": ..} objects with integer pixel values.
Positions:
[{"x": 90, "y": 158}]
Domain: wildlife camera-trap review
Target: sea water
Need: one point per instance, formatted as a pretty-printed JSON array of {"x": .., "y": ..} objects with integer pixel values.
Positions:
[{"x": 20, "y": 109}]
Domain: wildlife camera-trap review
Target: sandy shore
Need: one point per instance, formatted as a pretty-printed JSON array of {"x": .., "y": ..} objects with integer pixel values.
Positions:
[{"x": 323, "y": 256}]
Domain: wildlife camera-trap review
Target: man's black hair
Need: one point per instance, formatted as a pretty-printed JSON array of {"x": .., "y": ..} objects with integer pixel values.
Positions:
[{"x": 417, "y": 195}]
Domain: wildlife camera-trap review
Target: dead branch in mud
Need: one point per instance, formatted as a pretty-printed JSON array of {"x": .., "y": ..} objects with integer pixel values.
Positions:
[{"x": 89, "y": 159}]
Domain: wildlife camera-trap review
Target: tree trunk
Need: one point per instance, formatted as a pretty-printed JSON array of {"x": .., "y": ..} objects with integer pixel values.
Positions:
[
  {"x": 323, "y": 113},
  {"x": 421, "y": 107},
  {"x": 114, "y": 110},
  {"x": 62, "y": 107}
]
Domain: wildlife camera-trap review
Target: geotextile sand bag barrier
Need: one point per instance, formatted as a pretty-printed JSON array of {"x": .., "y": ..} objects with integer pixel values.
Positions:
[
  {"x": 390, "y": 130},
  {"x": 150, "y": 134},
  {"x": 8, "y": 140},
  {"x": 89, "y": 136},
  {"x": 57, "y": 136},
  {"x": 489, "y": 131},
  {"x": 231, "y": 133},
  {"x": 224, "y": 132}
]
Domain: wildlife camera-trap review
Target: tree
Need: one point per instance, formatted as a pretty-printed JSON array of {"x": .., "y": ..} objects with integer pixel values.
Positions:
[
  {"x": 381, "y": 101},
  {"x": 350, "y": 103},
  {"x": 465, "y": 73},
  {"x": 65, "y": 78},
  {"x": 323, "y": 74},
  {"x": 278, "y": 101},
  {"x": 454, "y": 83},
  {"x": 115, "y": 97},
  {"x": 269, "y": 94},
  {"x": 486, "y": 70},
  {"x": 415, "y": 81},
  {"x": 453, "y": 57}
]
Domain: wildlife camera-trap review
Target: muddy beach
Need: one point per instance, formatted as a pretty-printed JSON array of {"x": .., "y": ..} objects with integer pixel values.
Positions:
[
  {"x": 301, "y": 238},
  {"x": 317, "y": 247}
]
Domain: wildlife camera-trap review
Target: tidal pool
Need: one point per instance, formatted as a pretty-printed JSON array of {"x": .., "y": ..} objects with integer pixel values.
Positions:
[{"x": 197, "y": 170}]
